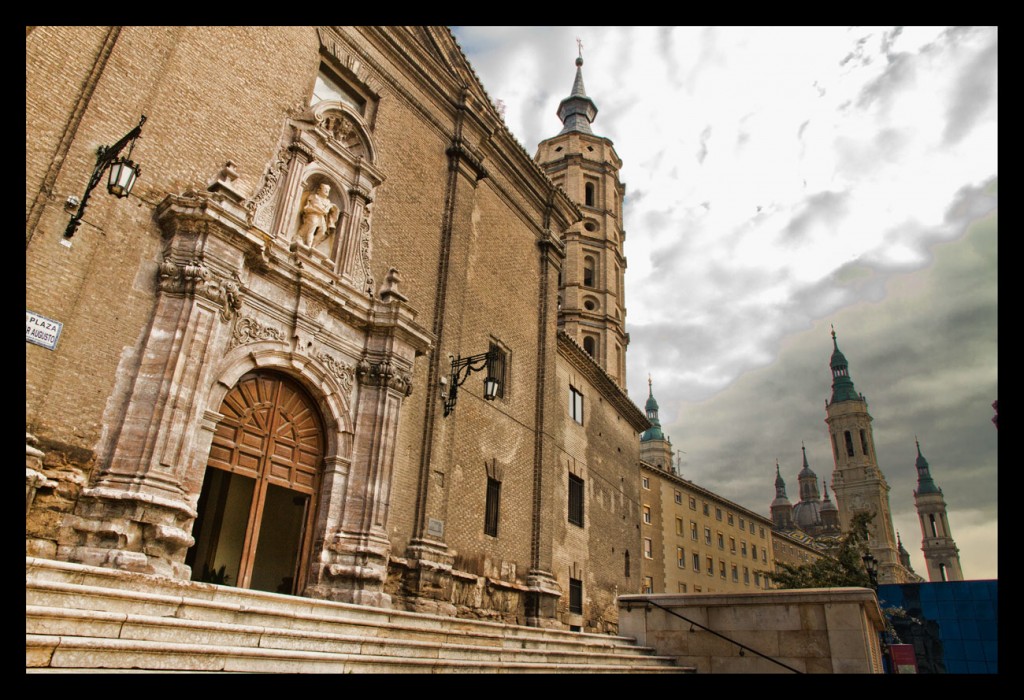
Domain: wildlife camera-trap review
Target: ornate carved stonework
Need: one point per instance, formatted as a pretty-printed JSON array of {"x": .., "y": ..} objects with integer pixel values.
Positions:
[
  {"x": 338, "y": 125},
  {"x": 259, "y": 207},
  {"x": 363, "y": 275},
  {"x": 195, "y": 278},
  {"x": 384, "y": 374},
  {"x": 313, "y": 309},
  {"x": 341, "y": 370},
  {"x": 249, "y": 330}
]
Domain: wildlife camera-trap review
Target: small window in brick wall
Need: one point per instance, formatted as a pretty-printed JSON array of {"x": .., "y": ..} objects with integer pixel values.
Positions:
[
  {"x": 491, "y": 507},
  {"x": 575, "y": 500},
  {"x": 576, "y": 596}
]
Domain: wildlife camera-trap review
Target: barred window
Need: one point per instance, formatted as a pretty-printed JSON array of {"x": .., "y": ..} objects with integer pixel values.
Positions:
[
  {"x": 575, "y": 596},
  {"x": 491, "y": 507},
  {"x": 575, "y": 500}
]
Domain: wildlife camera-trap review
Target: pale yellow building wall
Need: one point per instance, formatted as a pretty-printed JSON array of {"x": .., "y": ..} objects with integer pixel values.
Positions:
[{"x": 679, "y": 504}]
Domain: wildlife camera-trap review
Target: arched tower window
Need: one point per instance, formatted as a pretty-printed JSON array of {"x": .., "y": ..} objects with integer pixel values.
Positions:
[
  {"x": 931, "y": 521},
  {"x": 589, "y": 265},
  {"x": 588, "y": 194},
  {"x": 849, "y": 444},
  {"x": 864, "y": 442},
  {"x": 942, "y": 572},
  {"x": 590, "y": 345}
]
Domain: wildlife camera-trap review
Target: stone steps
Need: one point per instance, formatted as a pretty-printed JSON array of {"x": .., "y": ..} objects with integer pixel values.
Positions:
[{"x": 88, "y": 618}]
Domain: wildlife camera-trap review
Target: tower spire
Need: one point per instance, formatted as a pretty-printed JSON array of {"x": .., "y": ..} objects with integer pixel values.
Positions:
[
  {"x": 782, "y": 509},
  {"x": 577, "y": 111},
  {"x": 925, "y": 483},
  {"x": 941, "y": 555},
  {"x": 842, "y": 383}
]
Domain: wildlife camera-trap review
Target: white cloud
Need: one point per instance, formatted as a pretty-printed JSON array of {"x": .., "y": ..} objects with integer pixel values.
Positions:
[{"x": 778, "y": 180}]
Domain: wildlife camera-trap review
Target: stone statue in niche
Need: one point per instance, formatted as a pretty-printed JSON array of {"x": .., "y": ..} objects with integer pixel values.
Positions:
[{"x": 319, "y": 216}]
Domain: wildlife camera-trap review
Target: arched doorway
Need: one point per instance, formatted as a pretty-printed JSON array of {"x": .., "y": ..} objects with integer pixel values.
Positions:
[{"x": 256, "y": 509}]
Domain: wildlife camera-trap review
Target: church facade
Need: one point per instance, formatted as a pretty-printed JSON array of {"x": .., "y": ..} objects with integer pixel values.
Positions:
[{"x": 270, "y": 370}]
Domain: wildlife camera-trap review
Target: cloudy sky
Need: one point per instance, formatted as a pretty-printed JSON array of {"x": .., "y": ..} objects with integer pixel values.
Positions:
[{"x": 780, "y": 181}]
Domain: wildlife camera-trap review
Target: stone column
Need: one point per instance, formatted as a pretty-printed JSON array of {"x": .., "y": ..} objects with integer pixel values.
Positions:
[
  {"x": 139, "y": 512},
  {"x": 544, "y": 589},
  {"x": 355, "y": 559}
]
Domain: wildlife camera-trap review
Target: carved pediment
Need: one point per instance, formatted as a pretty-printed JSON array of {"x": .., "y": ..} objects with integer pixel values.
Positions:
[{"x": 343, "y": 127}]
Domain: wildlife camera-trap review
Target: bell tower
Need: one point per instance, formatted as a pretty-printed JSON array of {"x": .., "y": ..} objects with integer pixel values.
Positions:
[
  {"x": 857, "y": 482},
  {"x": 941, "y": 556},
  {"x": 592, "y": 308}
]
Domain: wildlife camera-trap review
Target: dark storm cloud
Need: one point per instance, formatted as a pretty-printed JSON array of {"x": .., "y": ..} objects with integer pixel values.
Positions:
[
  {"x": 970, "y": 203},
  {"x": 925, "y": 360},
  {"x": 974, "y": 93}
]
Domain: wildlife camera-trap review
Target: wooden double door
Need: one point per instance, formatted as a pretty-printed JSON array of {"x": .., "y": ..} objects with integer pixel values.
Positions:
[{"x": 256, "y": 511}]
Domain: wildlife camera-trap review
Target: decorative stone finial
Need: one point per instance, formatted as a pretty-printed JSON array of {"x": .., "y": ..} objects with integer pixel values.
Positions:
[
  {"x": 224, "y": 182},
  {"x": 389, "y": 290}
]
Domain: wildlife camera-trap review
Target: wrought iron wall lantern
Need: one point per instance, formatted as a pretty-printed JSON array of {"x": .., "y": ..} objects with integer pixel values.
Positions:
[
  {"x": 123, "y": 173},
  {"x": 462, "y": 367}
]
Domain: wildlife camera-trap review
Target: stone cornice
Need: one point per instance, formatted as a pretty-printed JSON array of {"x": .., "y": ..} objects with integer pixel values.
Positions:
[{"x": 602, "y": 381}]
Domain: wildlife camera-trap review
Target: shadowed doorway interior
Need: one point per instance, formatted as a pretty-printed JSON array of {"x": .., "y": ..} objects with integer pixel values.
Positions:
[{"x": 256, "y": 508}]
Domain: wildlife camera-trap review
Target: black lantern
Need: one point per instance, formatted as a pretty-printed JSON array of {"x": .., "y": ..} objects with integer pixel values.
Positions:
[
  {"x": 462, "y": 367},
  {"x": 123, "y": 173},
  {"x": 871, "y": 566}
]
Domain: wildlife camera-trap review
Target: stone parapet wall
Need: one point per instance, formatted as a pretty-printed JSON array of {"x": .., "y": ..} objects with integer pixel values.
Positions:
[{"x": 817, "y": 630}]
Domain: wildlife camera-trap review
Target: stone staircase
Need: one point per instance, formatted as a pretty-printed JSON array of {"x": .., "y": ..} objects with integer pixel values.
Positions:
[{"x": 89, "y": 619}]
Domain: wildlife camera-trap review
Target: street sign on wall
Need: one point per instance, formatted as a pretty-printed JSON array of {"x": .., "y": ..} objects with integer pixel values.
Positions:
[{"x": 41, "y": 330}]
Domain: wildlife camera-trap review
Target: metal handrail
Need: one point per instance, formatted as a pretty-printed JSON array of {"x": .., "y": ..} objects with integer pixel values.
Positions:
[{"x": 629, "y": 605}]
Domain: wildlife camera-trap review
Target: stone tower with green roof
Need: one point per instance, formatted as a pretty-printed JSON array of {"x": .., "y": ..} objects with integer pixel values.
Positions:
[
  {"x": 857, "y": 481},
  {"x": 941, "y": 555},
  {"x": 592, "y": 307},
  {"x": 655, "y": 447}
]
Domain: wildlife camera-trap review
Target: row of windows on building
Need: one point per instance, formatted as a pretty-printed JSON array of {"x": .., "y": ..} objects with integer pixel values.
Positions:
[
  {"x": 734, "y": 572},
  {"x": 720, "y": 539},
  {"x": 719, "y": 514}
]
